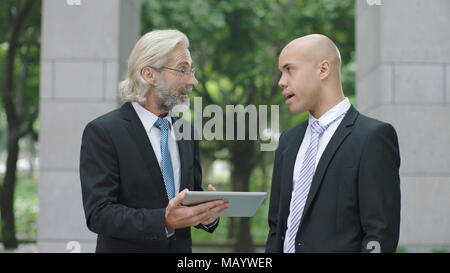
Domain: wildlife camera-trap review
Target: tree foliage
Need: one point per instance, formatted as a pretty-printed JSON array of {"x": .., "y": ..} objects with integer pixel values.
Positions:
[{"x": 19, "y": 77}]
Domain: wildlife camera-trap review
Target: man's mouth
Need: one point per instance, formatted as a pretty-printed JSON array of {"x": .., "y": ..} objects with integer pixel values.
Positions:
[
  {"x": 185, "y": 92},
  {"x": 288, "y": 95}
]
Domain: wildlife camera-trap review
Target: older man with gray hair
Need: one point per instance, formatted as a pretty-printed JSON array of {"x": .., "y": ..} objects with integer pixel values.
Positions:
[{"x": 134, "y": 173}]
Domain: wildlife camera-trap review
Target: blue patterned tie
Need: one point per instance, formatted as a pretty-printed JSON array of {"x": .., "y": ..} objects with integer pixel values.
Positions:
[
  {"x": 166, "y": 161},
  {"x": 303, "y": 183}
]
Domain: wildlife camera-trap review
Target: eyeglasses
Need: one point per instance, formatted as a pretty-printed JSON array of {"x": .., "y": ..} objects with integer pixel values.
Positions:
[{"x": 184, "y": 72}]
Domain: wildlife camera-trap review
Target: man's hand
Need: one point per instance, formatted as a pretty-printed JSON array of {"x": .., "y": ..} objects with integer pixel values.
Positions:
[
  {"x": 179, "y": 216},
  {"x": 213, "y": 218}
]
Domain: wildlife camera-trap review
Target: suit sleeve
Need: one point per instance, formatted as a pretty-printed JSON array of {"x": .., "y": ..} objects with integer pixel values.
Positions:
[
  {"x": 100, "y": 183},
  {"x": 272, "y": 246},
  {"x": 379, "y": 190}
]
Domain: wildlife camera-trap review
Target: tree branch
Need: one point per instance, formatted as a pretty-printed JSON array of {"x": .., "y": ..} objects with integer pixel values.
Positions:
[
  {"x": 9, "y": 63},
  {"x": 21, "y": 85},
  {"x": 29, "y": 126}
]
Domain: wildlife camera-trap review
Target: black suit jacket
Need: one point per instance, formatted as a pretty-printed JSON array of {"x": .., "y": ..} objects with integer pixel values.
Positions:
[
  {"x": 355, "y": 193},
  {"x": 123, "y": 190}
]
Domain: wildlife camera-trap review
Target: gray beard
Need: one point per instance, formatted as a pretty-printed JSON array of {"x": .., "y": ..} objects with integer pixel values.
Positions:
[{"x": 168, "y": 99}]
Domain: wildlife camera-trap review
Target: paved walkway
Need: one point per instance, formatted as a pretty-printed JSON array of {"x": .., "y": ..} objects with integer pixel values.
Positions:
[
  {"x": 23, "y": 248},
  {"x": 32, "y": 248}
]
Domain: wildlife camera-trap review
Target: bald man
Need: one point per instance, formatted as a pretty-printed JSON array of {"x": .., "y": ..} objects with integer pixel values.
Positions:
[{"x": 335, "y": 184}]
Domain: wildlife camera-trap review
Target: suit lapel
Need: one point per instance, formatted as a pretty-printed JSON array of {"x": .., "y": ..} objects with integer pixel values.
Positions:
[
  {"x": 339, "y": 136},
  {"x": 140, "y": 137}
]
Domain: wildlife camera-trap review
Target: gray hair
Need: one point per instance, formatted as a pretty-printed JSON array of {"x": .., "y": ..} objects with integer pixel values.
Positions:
[{"x": 152, "y": 49}]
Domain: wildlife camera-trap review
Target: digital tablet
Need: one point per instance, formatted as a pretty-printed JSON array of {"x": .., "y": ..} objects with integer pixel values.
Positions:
[{"x": 242, "y": 204}]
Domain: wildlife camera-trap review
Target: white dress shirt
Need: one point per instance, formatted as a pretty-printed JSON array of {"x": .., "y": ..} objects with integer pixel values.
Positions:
[
  {"x": 324, "y": 139},
  {"x": 148, "y": 119}
]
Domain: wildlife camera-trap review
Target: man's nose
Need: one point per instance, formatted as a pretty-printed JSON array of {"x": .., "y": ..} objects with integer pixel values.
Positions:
[
  {"x": 282, "y": 83},
  {"x": 192, "y": 81}
]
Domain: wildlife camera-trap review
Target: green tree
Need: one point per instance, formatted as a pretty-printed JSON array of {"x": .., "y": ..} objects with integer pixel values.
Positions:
[
  {"x": 19, "y": 53},
  {"x": 235, "y": 47}
]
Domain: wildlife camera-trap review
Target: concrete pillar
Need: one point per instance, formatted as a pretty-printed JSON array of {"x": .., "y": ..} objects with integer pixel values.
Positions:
[
  {"x": 403, "y": 77},
  {"x": 85, "y": 46}
]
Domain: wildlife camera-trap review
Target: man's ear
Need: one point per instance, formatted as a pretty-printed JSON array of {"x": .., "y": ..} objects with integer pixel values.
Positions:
[
  {"x": 149, "y": 75},
  {"x": 325, "y": 69}
]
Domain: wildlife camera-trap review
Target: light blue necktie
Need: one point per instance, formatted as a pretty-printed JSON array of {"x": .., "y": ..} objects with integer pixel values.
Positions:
[
  {"x": 303, "y": 183},
  {"x": 166, "y": 161}
]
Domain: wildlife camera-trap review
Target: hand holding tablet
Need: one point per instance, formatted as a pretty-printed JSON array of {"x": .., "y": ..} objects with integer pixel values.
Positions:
[
  {"x": 241, "y": 204},
  {"x": 177, "y": 216}
]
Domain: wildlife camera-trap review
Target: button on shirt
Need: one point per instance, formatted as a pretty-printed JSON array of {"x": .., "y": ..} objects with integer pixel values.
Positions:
[{"x": 325, "y": 119}]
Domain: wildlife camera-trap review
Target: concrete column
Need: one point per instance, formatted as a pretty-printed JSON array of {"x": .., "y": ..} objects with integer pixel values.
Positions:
[
  {"x": 85, "y": 46},
  {"x": 403, "y": 77}
]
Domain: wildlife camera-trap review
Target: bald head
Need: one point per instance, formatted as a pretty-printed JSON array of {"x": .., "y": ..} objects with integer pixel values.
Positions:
[
  {"x": 310, "y": 74},
  {"x": 316, "y": 48}
]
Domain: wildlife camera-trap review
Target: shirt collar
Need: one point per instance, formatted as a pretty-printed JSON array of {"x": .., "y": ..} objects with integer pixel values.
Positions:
[
  {"x": 332, "y": 114},
  {"x": 147, "y": 118}
]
